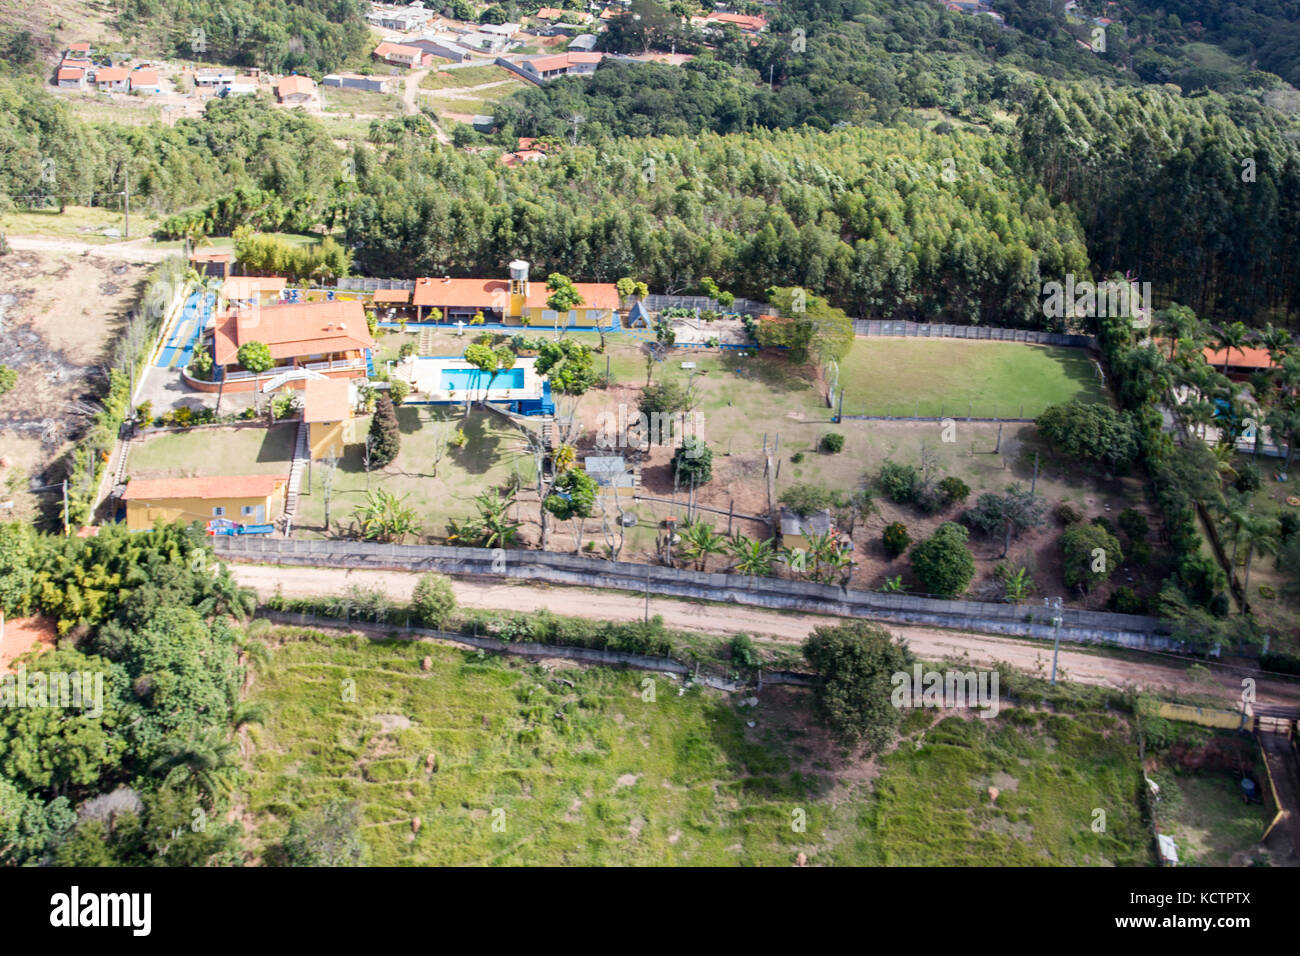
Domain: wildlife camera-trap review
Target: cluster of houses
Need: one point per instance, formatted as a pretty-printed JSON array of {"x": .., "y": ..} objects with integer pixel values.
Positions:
[
  {"x": 293, "y": 90},
  {"x": 975, "y": 8},
  {"x": 78, "y": 71}
]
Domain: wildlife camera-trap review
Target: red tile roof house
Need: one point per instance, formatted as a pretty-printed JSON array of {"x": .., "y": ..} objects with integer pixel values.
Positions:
[
  {"x": 327, "y": 337},
  {"x": 78, "y": 50},
  {"x": 1241, "y": 362},
  {"x": 746, "y": 24},
  {"x": 146, "y": 80},
  {"x": 403, "y": 55},
  {"x": 563, "y": 64},
  {"x": 295, "y": 89},
  {"x": 71, "y": 78},
  {"x": 116, "y": 79}
]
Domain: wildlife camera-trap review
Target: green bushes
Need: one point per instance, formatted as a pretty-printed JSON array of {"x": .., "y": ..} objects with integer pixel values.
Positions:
[
  {"x": 943, "y": 563},
  {"x": 1091, "y": 555},
  {"x": 896, "y": 539},
  {"x": 432, "y": 601},
  {"x": 832, "y": 443},
  {"x": 899, "y": 482},
  {"x": 8, "y": 378},
  {"x": 1068, "y": 514},
  {"x": 1134, "y": 524},
  {"x": 954, "y": 490}
]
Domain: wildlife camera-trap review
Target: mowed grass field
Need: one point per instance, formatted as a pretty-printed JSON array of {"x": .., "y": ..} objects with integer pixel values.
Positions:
[
  {"x": 598, "y": 774},
  {"x": 237, "y": 450},
  {"x": 950, "y": 377}
]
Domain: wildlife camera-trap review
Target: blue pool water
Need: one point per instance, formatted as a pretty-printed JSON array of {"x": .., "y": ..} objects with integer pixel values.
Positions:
[
  {"x": 184, "y": 337},
  {"x": 473, "y": 379}
]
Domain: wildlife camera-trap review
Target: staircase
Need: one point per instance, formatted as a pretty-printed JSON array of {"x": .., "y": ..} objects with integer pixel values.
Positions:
[
  {"x": 426, "y": 342},
  {"x": 300, "y": 456}
]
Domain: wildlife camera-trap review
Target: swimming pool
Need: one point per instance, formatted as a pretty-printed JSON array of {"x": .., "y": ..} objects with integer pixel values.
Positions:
[{"x": 474, "y": 379}]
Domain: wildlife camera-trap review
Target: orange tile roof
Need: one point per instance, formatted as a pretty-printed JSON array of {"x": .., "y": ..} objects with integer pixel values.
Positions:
[
  {"x": 563, "y": 60},
  {"x": 289, "y": 85},
  {"x": 291, "y": 331},
  {"x": 549, "y": 13},
  {"x": 494, "y": 293},
  {"x": 111, "y": 74},
  {"x": 1239, "y": 358},
  {"x": 211, "y": 255},
  {"x": 71, "y": 73},
  {"x": 79, "y": 64},
  {"x": 401, "y": 296},
  {"x": 79, "y": 47},
  {"x": 145, "y": 77},
  {"x": 740, "y": 20},
  {"x": 212, "y": 486},
  {"x": 400, "y": 49},
  {"x": 522, "y": 156},
  {"x": 326, "y": 400},
  {"x": 249, "y": 287}
]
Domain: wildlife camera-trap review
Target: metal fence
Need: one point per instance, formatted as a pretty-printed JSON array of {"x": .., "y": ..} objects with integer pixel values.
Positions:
[
  {"x": 657, "y": 303},
  {"x": 983, "y": 332},
  {"x": 358, "y": 284},
  {"x": 1079, "y": 626}
]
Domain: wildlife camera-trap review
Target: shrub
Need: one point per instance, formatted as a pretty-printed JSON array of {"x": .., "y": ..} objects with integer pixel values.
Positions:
[
  {"x": 693, "y": 462},
  {"x": 954, "y": 490},
  {"x": 144, "y": 412},
  {"x": 398, "y": 389},
  {"x": 1083, "y": 566},
  {"x": 1279, "y": 662},
  {"x": 385, "y": 436},
  {"x": 1101, "y": 521},
  {"x": 805, "y": 500},
  {"x": 899, "y": 482},
  {"x": 896, "y": 539},
  {"x": 1139, "y": 553},
  {"x": 254, "y": 356},
  {"x": 1124, "y": 600},
  {"x": 1248, "y": 479},
  {"x": 1134, "y": 524},
  {"x": 8, "y": 378},
  {"x": 1067, "y": 513},
  {"x": 1288, "y": 524},
  {"x": 743, "y": 653},
  {"x": 943, "y": 563},
  {"x": 433, "y": 600},
  {"x": 832, "y": 443},
  {"x": 408, "y": 349},
  {"x": 796, "y": 457}
]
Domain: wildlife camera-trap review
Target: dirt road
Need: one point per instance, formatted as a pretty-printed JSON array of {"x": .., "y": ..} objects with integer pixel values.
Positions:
[
  {"x": 1084, "y": 667},
  {"x": 132, "y": 250},
  {"x": 411, "y": 98}
]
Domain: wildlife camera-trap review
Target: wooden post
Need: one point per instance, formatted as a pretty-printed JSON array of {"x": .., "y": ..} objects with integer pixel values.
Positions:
[
  {"x": 731, "y": 511},
  {"x": 998, "y": 447}
]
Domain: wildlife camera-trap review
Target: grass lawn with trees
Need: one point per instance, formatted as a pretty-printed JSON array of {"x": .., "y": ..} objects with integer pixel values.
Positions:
[
  {"x": 596, "y": 774},
  {"x": 492, "y": 453}
]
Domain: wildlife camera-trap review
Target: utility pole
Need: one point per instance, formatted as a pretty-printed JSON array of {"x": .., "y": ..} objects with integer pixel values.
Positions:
[
  {"x": 65, "y": 507},
  {"x": 647, "y": 592},
  {"x": 126, "y": 201}
]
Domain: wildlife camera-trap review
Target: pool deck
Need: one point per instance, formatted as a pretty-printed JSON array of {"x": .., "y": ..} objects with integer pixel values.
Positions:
[{"x": 425, "y": 375}]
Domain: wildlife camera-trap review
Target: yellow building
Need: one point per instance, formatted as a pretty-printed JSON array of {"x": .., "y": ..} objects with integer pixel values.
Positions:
[
  {"x": 517, "y": 301},
  {"x": 327, "y": 410},
  {"x": 243, "y": 499}
]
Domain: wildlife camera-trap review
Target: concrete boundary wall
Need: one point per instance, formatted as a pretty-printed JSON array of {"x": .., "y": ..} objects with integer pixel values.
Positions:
[{"x": 1077, "y": 626}]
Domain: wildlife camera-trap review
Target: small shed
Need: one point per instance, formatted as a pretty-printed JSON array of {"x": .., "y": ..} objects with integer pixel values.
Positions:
[
  {"x": 1168, "y": 850},
  {"x": 797, "y": 529},
  {"x": 611, "y": 474}
]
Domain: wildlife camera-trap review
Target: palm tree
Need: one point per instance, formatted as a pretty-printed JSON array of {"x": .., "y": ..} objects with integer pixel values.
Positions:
[
  {"x": 1198, "y": 415},
  {"x": 824, "y": 550},
  {"x": 385, "y": 517},
  {"x": 754, "y": 558},
  {"x": 699, "y": 540},
  {"x": 1223, "y": 455},
  {"x": 1261, "y": 537},
  {"x": 1177, "y": 323},
  {"x": 204, "y": 765},
  {"x": 1277, "y": 341},
  {"x": 495, "y": 529},
  {"x": 1236, "y": 520},
  {"x": 1284, "y": 424},
  {"x": 1232, "y": 338}
]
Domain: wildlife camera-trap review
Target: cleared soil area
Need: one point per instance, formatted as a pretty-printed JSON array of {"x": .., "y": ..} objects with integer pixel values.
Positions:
[{"x": 59, "y": 313}]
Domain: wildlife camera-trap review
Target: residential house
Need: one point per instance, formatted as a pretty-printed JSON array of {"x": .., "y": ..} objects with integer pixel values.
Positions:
[
  {"x": 112, "y": 79},
  {"x": 449, "y": 48},
  {"x": 327, "y": 409},
  {"x": 78, "y": 51},
  {"x": 746, "y": 24},
  {"x": 506, "y": 30},
  {"x": 401, "y": 54},
  {"x": 295, "y": 90},
  {"x": 1242, "y": 363},
  {"x": 214, "y": 77},
  {"x": 326, "y": 337},
  {"x": 583, "y": 43},
  {"x": 71, "y": 78},
  {"x": 562, "y": 64},
  {"x": 243, "y": 499},
  {"x": 146, "y": 79},
  {"x": 514, "y": 302},
  {"x": 483, "y": 42},
  {"x": 358, "y": 81}
]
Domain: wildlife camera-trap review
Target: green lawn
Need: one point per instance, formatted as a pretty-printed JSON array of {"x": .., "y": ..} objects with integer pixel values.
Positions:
[
  {"x": 596, "y": 774},
  {"x": 245, "y": 450},
  {"x": 466, "y": 76},
  {"x": 363, "y": 102},
  {"x": 885, "y": 376},
  {"x": 1211, "y": 822},
  {"x": 492, "y": 453},
  {"x": 82, "y": 223}
]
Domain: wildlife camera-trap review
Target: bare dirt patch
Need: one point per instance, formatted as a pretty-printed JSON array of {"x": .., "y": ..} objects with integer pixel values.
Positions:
[{"x": 22, "y": 635}]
